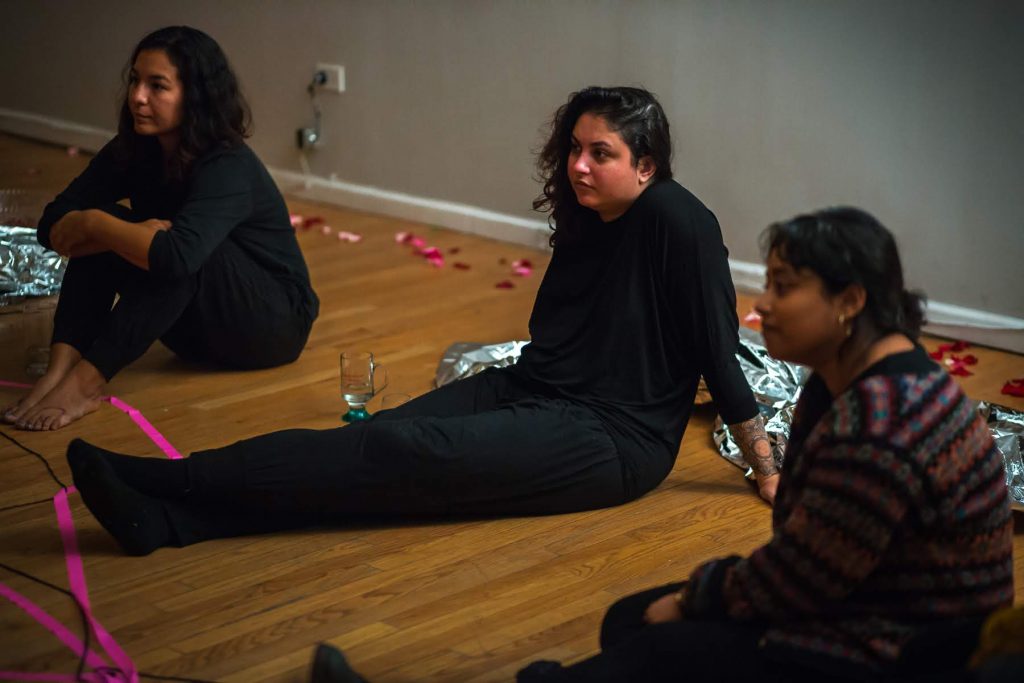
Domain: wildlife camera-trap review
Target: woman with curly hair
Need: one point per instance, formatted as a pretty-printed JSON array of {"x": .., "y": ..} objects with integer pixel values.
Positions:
[
  {"x": 635, "y": 306},
  {"x": 205, "y": 260}
]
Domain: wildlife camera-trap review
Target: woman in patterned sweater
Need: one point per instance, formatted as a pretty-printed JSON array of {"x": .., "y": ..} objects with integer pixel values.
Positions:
[{"x": 891, "y": 528}]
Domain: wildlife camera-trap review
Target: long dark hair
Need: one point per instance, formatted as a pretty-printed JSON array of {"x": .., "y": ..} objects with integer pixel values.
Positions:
[
  {"x": 633, "y": 113},
  {"x": 845, "y": 246},
  {"x": 214, "y": 111}
]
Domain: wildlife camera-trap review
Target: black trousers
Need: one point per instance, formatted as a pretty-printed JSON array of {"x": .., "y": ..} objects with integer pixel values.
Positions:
[
  {"x": 484, "y": 446},
  {"x": 232, "y": 312},
  {"x": 689, "y": 650},
  {"x": 703, "y": 651}
]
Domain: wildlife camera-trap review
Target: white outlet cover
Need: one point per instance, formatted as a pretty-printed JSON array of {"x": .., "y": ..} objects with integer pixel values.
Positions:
[{"x": 335, "y": 77}]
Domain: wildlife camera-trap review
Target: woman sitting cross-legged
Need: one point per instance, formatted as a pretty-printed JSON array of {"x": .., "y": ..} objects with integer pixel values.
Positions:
[{"x": 892, "y": 532}]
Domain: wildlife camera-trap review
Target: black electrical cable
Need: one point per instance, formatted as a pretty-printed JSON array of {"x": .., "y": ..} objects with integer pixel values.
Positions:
[
  {"x": 41, "y": 458},
  {"x": 86, "y": 630}
]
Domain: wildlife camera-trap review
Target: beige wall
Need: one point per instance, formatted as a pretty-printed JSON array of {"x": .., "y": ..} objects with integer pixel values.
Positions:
[{"x": 911, "y": 109}]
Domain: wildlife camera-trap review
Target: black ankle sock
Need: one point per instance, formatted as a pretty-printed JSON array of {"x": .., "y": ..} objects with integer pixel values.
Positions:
[
  {"x": 157, "y": 477},
  {"x": 137, "y": 522},
  {"x": 330, "y": 666}
]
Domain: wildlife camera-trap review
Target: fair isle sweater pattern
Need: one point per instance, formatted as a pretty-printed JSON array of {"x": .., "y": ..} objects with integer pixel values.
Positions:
[{"x": 893, "y": 513}]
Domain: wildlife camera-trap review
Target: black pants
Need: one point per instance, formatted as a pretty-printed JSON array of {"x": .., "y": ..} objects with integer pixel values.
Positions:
[
  {"x": 232, "y": 312},
  {"x": 483, "y": 446},
  {"x": 702, "y": 651}
]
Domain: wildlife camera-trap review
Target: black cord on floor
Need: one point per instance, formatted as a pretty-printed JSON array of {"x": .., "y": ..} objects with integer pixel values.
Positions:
[
  {"x": 41, "y": 458},
  {"x": 86, "y": 631}
]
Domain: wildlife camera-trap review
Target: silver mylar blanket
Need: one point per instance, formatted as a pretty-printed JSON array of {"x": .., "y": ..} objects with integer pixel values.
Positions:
[
  {"x": 776, "y": 385},
  {"x": 26, "y": 268}
]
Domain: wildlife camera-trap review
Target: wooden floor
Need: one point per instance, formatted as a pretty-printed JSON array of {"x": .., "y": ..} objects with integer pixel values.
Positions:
[{"x": 462, "y": 601}]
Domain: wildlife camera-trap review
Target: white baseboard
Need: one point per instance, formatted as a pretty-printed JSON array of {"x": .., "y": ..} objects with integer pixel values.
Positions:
[
  {"x": 945, "y": 320},
  {"x": 461, "y": 217},
  {"x": 53, "y": 130}
]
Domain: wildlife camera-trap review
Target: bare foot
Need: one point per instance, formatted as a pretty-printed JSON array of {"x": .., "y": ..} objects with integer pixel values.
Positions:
[
  {"x": 62, "y": 359},
  {"x": 75, "y": 396}
]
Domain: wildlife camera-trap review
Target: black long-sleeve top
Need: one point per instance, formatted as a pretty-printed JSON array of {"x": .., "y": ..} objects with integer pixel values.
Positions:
[
  {"x": 228, "y": 195},
  {"x": 629, "y": 317}
]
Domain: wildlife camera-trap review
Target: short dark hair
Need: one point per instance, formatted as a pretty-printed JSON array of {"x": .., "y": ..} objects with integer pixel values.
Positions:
[
  {"x": 633, "y": 113},
  {"x": 215, "y": 112},
  {"x": 844, "y": 246}
]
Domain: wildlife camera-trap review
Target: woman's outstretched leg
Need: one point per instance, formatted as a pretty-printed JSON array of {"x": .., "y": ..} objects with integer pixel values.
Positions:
[{"x": 527, "y": 456}]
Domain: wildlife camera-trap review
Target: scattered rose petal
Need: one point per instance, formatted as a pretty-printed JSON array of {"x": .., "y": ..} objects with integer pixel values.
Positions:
[
  {"x": 346, "y": 236},
  {"x": 522, "y": 263},
  {"x": 437, "y": 262},
  {"x": 326, "y": 229},
  {"x": 402, "y": 237},
  {"x": 522, "y": 271},
  {"x": 296, "y": 219},
  {"x": 460, "y": 265},
  {"x": 418, "y": 242},
  {"x": 311, "y": 221},
  {"x": 430, "y": 252},
  {"x": 952, "y": 346},
  {"x": 958, "y": 365},
  {"x": 1014, "y": 387},
  {"x": 504, "y": 284}
]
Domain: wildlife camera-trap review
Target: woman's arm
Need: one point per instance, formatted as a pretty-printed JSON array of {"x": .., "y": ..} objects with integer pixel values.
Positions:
[
  {"x": 704, "y": 281},
  {"x": 102, "y": 183},
  {"x": 840, "y": 526},
  {"x": 220, "y": 197},
  {"x": 753, "y": 441},
  {"x": 90, "y": 231}
]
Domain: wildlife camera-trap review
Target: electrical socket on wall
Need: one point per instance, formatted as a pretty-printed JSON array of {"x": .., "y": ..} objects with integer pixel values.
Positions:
[{"x": 334, "y": 77}]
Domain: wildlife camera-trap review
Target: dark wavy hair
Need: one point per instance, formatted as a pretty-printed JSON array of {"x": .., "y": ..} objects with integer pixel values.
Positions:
[
  {"x": 844, "y": 246},
  {"x": 633, "y": 113},
  {"x": 215, "y": 112}
]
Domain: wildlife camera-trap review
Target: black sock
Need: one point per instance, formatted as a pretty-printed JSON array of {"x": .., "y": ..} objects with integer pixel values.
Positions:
[
  {"x": 157, "y": 477},
  {"x": 137, "y": 522},
  {"x": 330, "y": 666}
]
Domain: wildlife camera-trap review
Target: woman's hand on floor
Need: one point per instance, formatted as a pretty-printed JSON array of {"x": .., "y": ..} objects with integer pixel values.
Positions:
[
  {"x": 664, "y": 609},
  {"x": 767, "y": 486}
]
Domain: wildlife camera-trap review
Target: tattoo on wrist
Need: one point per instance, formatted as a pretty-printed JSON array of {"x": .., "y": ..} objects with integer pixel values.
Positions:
[{"x": 755, "y": 446}]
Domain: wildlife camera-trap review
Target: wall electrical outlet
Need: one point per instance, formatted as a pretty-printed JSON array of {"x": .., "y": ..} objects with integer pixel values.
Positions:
[{"x": 334, "y": 77}]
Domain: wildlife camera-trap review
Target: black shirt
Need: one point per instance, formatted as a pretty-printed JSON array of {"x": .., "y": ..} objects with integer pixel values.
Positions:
[
  {"x": 630, "y": 316},
  {"x": 228, "y": 195}
]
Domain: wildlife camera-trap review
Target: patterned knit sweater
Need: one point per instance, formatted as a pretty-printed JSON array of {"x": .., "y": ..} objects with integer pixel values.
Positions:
[{"x": 892, "y": 513}]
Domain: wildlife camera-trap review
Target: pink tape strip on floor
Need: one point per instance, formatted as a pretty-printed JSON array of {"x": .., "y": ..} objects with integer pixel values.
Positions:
[{"x": 125, "y": 668}]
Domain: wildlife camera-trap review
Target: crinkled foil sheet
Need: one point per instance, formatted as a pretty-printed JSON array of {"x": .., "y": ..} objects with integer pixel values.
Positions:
[
  {"x": 26, "y": 268},
  {"x": 1007, "y": 428},
  {"x": 776, "y": 385},
  {"x": 462, "y": 359}
]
